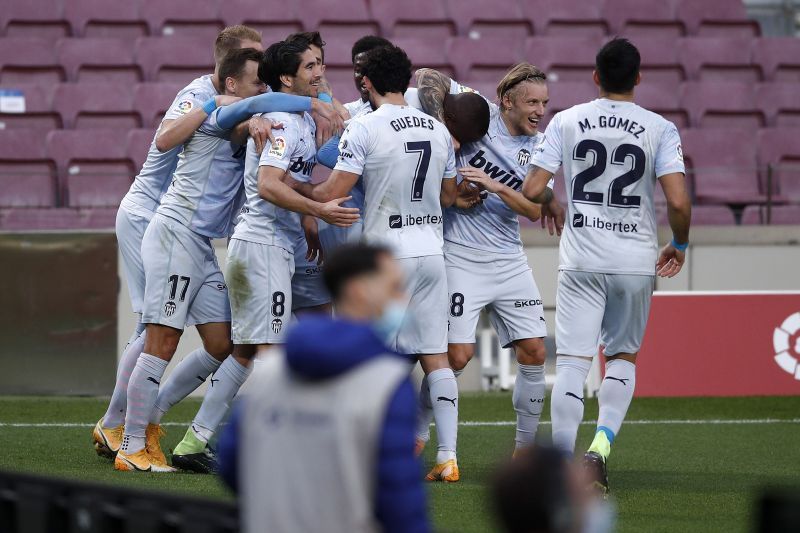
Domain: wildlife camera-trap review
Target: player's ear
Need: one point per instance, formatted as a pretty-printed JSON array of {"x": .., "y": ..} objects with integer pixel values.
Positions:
[
  {"x": 230, "y": 84},
  {"x": 638, "y": 79},
  {"x": 367, "y": 83},
  {"x": 596, "y": 78},
  {"x": 506, "y": 102},
  {"x": 287, "y": 81}
]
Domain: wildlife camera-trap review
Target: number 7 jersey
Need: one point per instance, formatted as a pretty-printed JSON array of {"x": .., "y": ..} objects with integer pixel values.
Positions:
[
  {"x": 612, "y": 153},
  {"x": 403, "y": 155}
]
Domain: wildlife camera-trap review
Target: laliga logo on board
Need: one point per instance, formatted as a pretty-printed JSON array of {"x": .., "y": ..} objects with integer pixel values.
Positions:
[{"x": 781, "y": 341}]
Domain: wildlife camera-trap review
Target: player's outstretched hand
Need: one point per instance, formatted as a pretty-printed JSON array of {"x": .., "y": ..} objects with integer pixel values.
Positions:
[
  {"x": 327, "y": 111},
  {"x": 481, "y": 179},
  {"x": 311, "y": 230},
  {"x": 333, "y": 213},
  {"x": 260, "y": 130},
  {"x": 670, "y": 261},
  {"x": 553, "y": 217}
]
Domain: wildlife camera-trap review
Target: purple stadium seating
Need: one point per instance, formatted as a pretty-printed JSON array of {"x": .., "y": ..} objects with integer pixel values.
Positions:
[
  {"x": 660, "y": 63},
  {"x": 28, "y": 60},
  {"x": 174, "y": 59},
  {"x": 503, "y": 19},
  {"x": 101, "y": 18},
  {"x": 152, "y": 100},
  {"x": 42, "y": 18},
  {"x": 27, "y": 176},
  {"x": 780, "y": 148},
  {"x": 565, "y": 94},
  {"x": 702, "y": 215},
  {"x": 38, "y": 113},
  {"x": 486, "y": 59},
  {"x": 341, "y": 80},
  {"x": 634, "y": 18},
  {"x": 780, "y": 102},
  {"x": 96, "y": 106},
  {"x": 721, "y": 59},
  {"x": 716, "y": 18},
  {"x": 198, "y": 19},
  {"x": 723, "y": 163},
  {"x": 53, "y": 218},
  {"x": 137, "y": 145},
  {"x": 346, "y": 21},
  {"x": 780, "y": 215},
  {"x": 779, "y": 57},
  {"x": 722, "y": 105},
  {"x": 98, "y": 60},
  {"x": 93, "y": 166},
  {"x": 564, "y": 59},
  {"x": 565, "y": 18},
  {"x": 663, "y": 100},
  {"x": 427, "y": 53},
  {"x": 413, "y": 18},
  {"x": 275, "y": 19}
]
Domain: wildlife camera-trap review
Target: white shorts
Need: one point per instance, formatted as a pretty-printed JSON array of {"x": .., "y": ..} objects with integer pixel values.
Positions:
[
  {"x": 130, "y": 230},
  {"x": 503, "y": 283},
  {"x": 594, "y": 309},
  {"x": 260, "y": 280},
  {"x": 183, "y": 283},
  {"x": 424, "y": 329},
  {"x": 308, "y": 288}
]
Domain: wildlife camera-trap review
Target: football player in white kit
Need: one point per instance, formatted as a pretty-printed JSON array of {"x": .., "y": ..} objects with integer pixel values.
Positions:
[
  {"x": 482, "y": 240},
  {"x": 407, "y": 164},
  {"x": 138, "y": 207},
  {"x": 261, "y": 249},
  {"x": 613, "y": 153}
]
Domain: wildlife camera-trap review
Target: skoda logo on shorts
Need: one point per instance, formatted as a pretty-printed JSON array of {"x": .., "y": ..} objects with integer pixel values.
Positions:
[
  {"x": 277, "y": 325},
  {"x": 169, "y": 308},
  {"x": 395, "y": 221},
  {"x": 786, "y": 341},
  {"x": 523, "y": 157}
]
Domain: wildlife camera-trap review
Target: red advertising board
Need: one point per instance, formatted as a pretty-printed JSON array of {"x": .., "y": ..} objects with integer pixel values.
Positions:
[{"x": 721, "y": 344}]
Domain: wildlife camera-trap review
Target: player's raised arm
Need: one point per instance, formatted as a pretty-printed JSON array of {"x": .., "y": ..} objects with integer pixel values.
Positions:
[
  {"x": 177, "y": 131},
  {"x": 432, "y": 87}
]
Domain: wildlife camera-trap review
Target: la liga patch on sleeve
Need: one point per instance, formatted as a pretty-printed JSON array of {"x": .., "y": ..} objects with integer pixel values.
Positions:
[
  {"x": 278, "y": 148},
  {"x": 184, "y": 106}
]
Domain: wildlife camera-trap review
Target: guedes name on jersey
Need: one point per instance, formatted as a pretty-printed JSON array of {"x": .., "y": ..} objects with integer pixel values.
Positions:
[
  {"x": 403, "y": 123},
  {"x": 631, "y": 126}
]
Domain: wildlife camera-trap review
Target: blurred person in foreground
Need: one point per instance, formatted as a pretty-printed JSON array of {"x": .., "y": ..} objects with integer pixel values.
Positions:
[
  {"x": 332, "y": 420},
  {"x": 540, "y": 491}
]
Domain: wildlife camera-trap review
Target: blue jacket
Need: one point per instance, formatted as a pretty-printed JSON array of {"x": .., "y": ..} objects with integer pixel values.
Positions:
[{"x": 319, "y": 348}]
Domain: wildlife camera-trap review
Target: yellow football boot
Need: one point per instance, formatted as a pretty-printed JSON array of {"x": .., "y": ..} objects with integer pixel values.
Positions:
[
  {"x": 139, "y": 462},
  {"x": 447, "y": 472},
  {"x": 153, "y": 435},
  {"x": 107, "y": 440}
]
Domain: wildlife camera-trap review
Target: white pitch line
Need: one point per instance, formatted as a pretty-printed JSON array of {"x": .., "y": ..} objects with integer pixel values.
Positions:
[{"x": 471, "y": 423}]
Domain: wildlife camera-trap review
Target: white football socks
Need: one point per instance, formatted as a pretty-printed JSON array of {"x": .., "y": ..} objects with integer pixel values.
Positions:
[
  {"x": 225, "y": 383},
  {"x": 615, "y": 395},
  {"x": 190, "y": 373},
  {"x": 528, "y": 399},
  {"x": 566, "y": 401},
  {"x": 424, "y": 411},
  {"x": 142, "y": 394},
  {"x": 115, "y": 414},
  {"x": 444, "y": 398}
]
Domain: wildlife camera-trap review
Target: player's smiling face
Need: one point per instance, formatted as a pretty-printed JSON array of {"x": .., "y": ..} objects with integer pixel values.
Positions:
[
  {"x": 524, "y": 107},
  {"x": 309, "y": 75}
]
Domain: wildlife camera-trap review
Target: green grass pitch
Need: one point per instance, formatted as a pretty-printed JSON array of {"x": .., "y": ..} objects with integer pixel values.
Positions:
[{"x": 687, "y": 476}]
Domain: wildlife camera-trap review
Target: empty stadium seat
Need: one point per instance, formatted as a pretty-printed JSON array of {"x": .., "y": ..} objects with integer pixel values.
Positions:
[
  {"x": 28, "y": 60},
  {"x": 723, "y": 165},
  {"x": 174, "y": 59},
  {"x": 198, "y": 19},
  {"x": 716, "y": 18},
  {"x": 98, "y": 60},
  {"x": 722, "y": 105},
  {"x": 565, "y": 94},
  {"x": 38, "y": 113},
  {"x": 565, "y": 18},
  {"x": 101, "y": 18},
  {"x": 275, "y": 19},
  {"x": 702, "y": 215},
  {"x": 42, "y": 18},
  {"x": 427, "y": 53},
  {"x": 779, "y": 215},
  {"x": 663, "y": 100},
  {"x": 346, "y": 21},
  {"x": 152, "y": 100},
  {"x": 502, "y": 19},
  {"x": 719, "y": 59},
  {"x": 780, "y": 150},
  {"x": 60, "y": 218},
  {"x": 137, "y": 145},
  {"x": 486, "y": 59},
  {"x": 96, "y": 105},
  {"x": 27, "y": 175},
  {"x": 660, "y": 63},
  {"x": 779, "y": 57},
  {"x": 634, "y": 18},
  {"x": 93, "y": 166},
  {"x": 341, "y": 80},
  {"x": 780, "y": 102},
  {"x": 564, "y": 59},
  {"x": 413, "y": 18}
]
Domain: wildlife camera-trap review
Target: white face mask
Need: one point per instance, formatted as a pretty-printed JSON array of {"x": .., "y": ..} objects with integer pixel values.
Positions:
[{"x": 388, "y": 323}]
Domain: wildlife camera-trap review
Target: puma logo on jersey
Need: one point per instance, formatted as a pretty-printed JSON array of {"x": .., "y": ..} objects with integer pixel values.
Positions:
[
  {"x": 444, "y": 398},
  {"x": 299, "y": 166},
  {"x": 507, "y": 177}
]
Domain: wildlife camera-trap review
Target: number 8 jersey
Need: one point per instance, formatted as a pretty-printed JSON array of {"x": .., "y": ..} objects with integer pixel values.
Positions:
[
  {"x": 612, "y": 152},
  {"x": 403, "y": 155}
]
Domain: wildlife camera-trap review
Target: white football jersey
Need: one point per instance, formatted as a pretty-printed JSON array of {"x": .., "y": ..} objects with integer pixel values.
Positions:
[
  {"x": 402, "y": 155},
  {"x": 612, "y": 153}
]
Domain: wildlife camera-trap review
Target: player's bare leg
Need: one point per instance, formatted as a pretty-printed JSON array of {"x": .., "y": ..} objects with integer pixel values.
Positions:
[
  {"x": 444, "y": 399},
  {"x": 529, "y": 389}
]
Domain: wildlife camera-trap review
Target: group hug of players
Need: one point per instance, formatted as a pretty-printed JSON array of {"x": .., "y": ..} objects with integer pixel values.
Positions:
[{"x": 438, "y": 173}]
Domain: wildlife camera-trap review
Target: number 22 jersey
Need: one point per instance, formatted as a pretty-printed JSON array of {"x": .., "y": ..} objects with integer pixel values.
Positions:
[{"x": 612, "y": 152}]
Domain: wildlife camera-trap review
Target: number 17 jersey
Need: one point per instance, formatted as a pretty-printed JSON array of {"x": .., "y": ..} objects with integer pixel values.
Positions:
[
  {"x": 402, "y": 155},
  {"x": 612, "y": 153}
]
